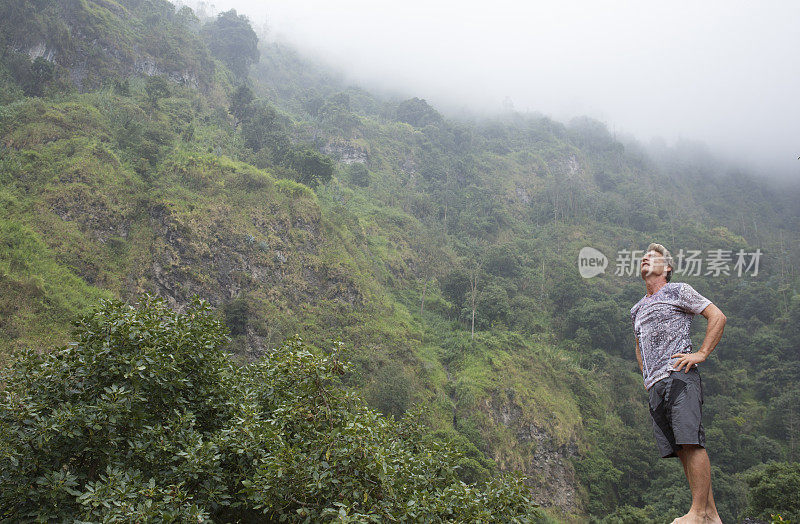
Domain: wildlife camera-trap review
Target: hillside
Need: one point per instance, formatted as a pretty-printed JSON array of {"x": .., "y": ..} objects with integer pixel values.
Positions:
[{"x": 142, "y": 159}]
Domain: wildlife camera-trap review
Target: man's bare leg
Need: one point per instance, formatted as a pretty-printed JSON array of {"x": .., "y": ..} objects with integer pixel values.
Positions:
[
  {"x": 697, "y": 468},
  {"x": 711, "y": 508}
]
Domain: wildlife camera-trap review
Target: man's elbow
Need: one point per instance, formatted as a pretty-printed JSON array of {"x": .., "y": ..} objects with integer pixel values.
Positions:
[{"x": 713, "y": 313}]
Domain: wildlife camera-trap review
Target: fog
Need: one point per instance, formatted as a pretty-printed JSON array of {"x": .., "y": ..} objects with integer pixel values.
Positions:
[{"x": 724, "y": 73}]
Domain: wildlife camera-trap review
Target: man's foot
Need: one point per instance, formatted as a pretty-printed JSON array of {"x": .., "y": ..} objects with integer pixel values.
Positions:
[
  {"x": 691, "y": 518},
  {"x": 695, "y": 518}
]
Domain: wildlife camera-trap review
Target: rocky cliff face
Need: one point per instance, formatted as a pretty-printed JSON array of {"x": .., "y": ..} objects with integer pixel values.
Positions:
[
  {"x": 537, "y": 453},
  {"x": 345, "y": 152},
  {"x": 214, "y": 228},
  {"x": 276, "y": 261},
  {"x": 234, "y": 261},
  {"x": 94, "y": 41}
]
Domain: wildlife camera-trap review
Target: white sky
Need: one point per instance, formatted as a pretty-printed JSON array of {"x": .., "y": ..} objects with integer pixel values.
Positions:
[{"x": 723, "y": 72}]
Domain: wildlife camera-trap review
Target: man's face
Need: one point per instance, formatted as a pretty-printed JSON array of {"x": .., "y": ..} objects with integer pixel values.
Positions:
[{"x": 653, "y": 263}]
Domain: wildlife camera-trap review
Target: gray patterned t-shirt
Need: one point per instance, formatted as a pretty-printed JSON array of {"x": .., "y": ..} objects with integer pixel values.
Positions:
[{"x": 661, "y": 323}]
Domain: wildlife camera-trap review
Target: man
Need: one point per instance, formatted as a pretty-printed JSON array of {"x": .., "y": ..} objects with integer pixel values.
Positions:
[{"x": 661, "y": 322}]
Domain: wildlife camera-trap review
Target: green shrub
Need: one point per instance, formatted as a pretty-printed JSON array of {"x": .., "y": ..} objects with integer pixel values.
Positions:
[
  {"x": 774, "y": 489},
  {"x": 146, "y": 414},
  {"x": 359, "y": 174}
]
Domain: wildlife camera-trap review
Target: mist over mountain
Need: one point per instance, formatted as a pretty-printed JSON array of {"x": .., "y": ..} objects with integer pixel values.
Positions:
[{"x": 717, "y": 72}]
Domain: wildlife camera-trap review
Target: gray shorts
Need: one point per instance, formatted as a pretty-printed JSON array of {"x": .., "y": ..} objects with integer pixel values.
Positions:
[{"x": 676, "y": 407}]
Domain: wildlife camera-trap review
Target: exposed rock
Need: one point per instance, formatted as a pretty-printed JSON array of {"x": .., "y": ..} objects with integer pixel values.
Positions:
[
  {"x": 146, "y": 65},
  {"x": 539, "y": 456},
  {"x": 95, "y": 216},
  {"x": 78, "y": 73},
  {"x": 523, "y": 195},
  {"x": 89, "y": 58},
  {"x": 41, "y": 50},
  {"x": 345, "y": 152},
  {"x": 280, "y": 259},
  {"x": 568, "y": 167}
]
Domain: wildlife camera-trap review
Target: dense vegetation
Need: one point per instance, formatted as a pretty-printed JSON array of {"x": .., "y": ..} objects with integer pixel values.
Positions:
[
  {"x": 441, "y": 251},
  {"x": 146, "y": 414}
]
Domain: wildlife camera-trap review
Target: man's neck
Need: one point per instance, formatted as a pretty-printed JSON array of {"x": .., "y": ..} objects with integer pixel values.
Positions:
[{"x": 654, "y": 284}]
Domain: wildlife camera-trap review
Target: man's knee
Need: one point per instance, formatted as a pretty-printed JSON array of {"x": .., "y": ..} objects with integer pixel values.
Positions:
[{"x": 690, "y": 449}]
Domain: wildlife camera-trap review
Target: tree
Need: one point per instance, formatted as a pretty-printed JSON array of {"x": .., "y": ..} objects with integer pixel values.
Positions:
[
  {"x": 418, "y": 113},
  {"x": 494, "y": 305},
  {"x": 145, "y": 414},
  {"x": 240, "y": 101},
  {"x": 157, "y": 87},
  {"x": 503, "y": 260},
  {"x": 231, "y": 39},
  {"x": 427, "y": 256},
  {"x": 124, "y": 415},
  {"x": 236, "y": 313},
  {"x": 474, "y": 273},
  {"x": 41, "y": 74},
  {"x": 359, "y": 174},
  {"x": 783, "y": 418},
  {"x": 34, "y": 76},
  {"x": 774, "y": 489},
  {"x": 261, "y": 128},
  {"x": 607, "y": 325},
  {"x": 391, "y": 390},
  {"x": 312, "y": 166},
  {"x": 455, "y": 286}
]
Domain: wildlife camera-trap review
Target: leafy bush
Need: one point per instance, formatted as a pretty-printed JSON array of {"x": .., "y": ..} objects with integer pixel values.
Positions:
[
  {"x": 155, "y": 88},
  {"x": 146, "y": 414},
  {"x": 262, "y": 128},
  {"x": 418, "y": 113},
  {"x": 312, "y": 167},
  {"x": 774, "y": 490},
  {"x": 605, "y": 323},
  {"x": 630, "y": 515},
  {"x": 492, "y": 307},
  {"x": 231, "y": 39},
  {"x": 359, "y": 174},
  {"x": 390, "y": 392}
]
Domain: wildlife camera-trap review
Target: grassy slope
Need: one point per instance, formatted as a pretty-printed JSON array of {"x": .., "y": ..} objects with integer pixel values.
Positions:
[{"x": 83, "y": 223}]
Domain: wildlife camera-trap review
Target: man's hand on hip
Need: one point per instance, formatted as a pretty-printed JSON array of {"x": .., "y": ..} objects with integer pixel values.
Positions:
[{"x": 688, "y": 360}]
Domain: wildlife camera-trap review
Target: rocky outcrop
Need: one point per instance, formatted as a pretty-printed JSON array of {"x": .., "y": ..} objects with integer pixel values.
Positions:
[
  {"x": 537, "y": 453},
  {"x": 208, "y": 256},
  {"x": 345, "y": 152},
  {"x": 522, "y": 195},
  {"x": 41, "y": 50},
  {"x": 568, "y": 167},
  {"x": 98, "y": 41},
  {"x": 96, "y": 216},
  {"x": 148, "y": 66}
]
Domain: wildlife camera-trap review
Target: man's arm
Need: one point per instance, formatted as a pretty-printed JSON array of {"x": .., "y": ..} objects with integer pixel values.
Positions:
[
  {"x": 716, "y": 324},
  {"x": 639, "y": 354}
]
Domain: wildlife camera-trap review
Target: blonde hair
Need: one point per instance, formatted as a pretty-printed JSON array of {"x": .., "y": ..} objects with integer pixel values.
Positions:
[{"x": 658, "y": 248}]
